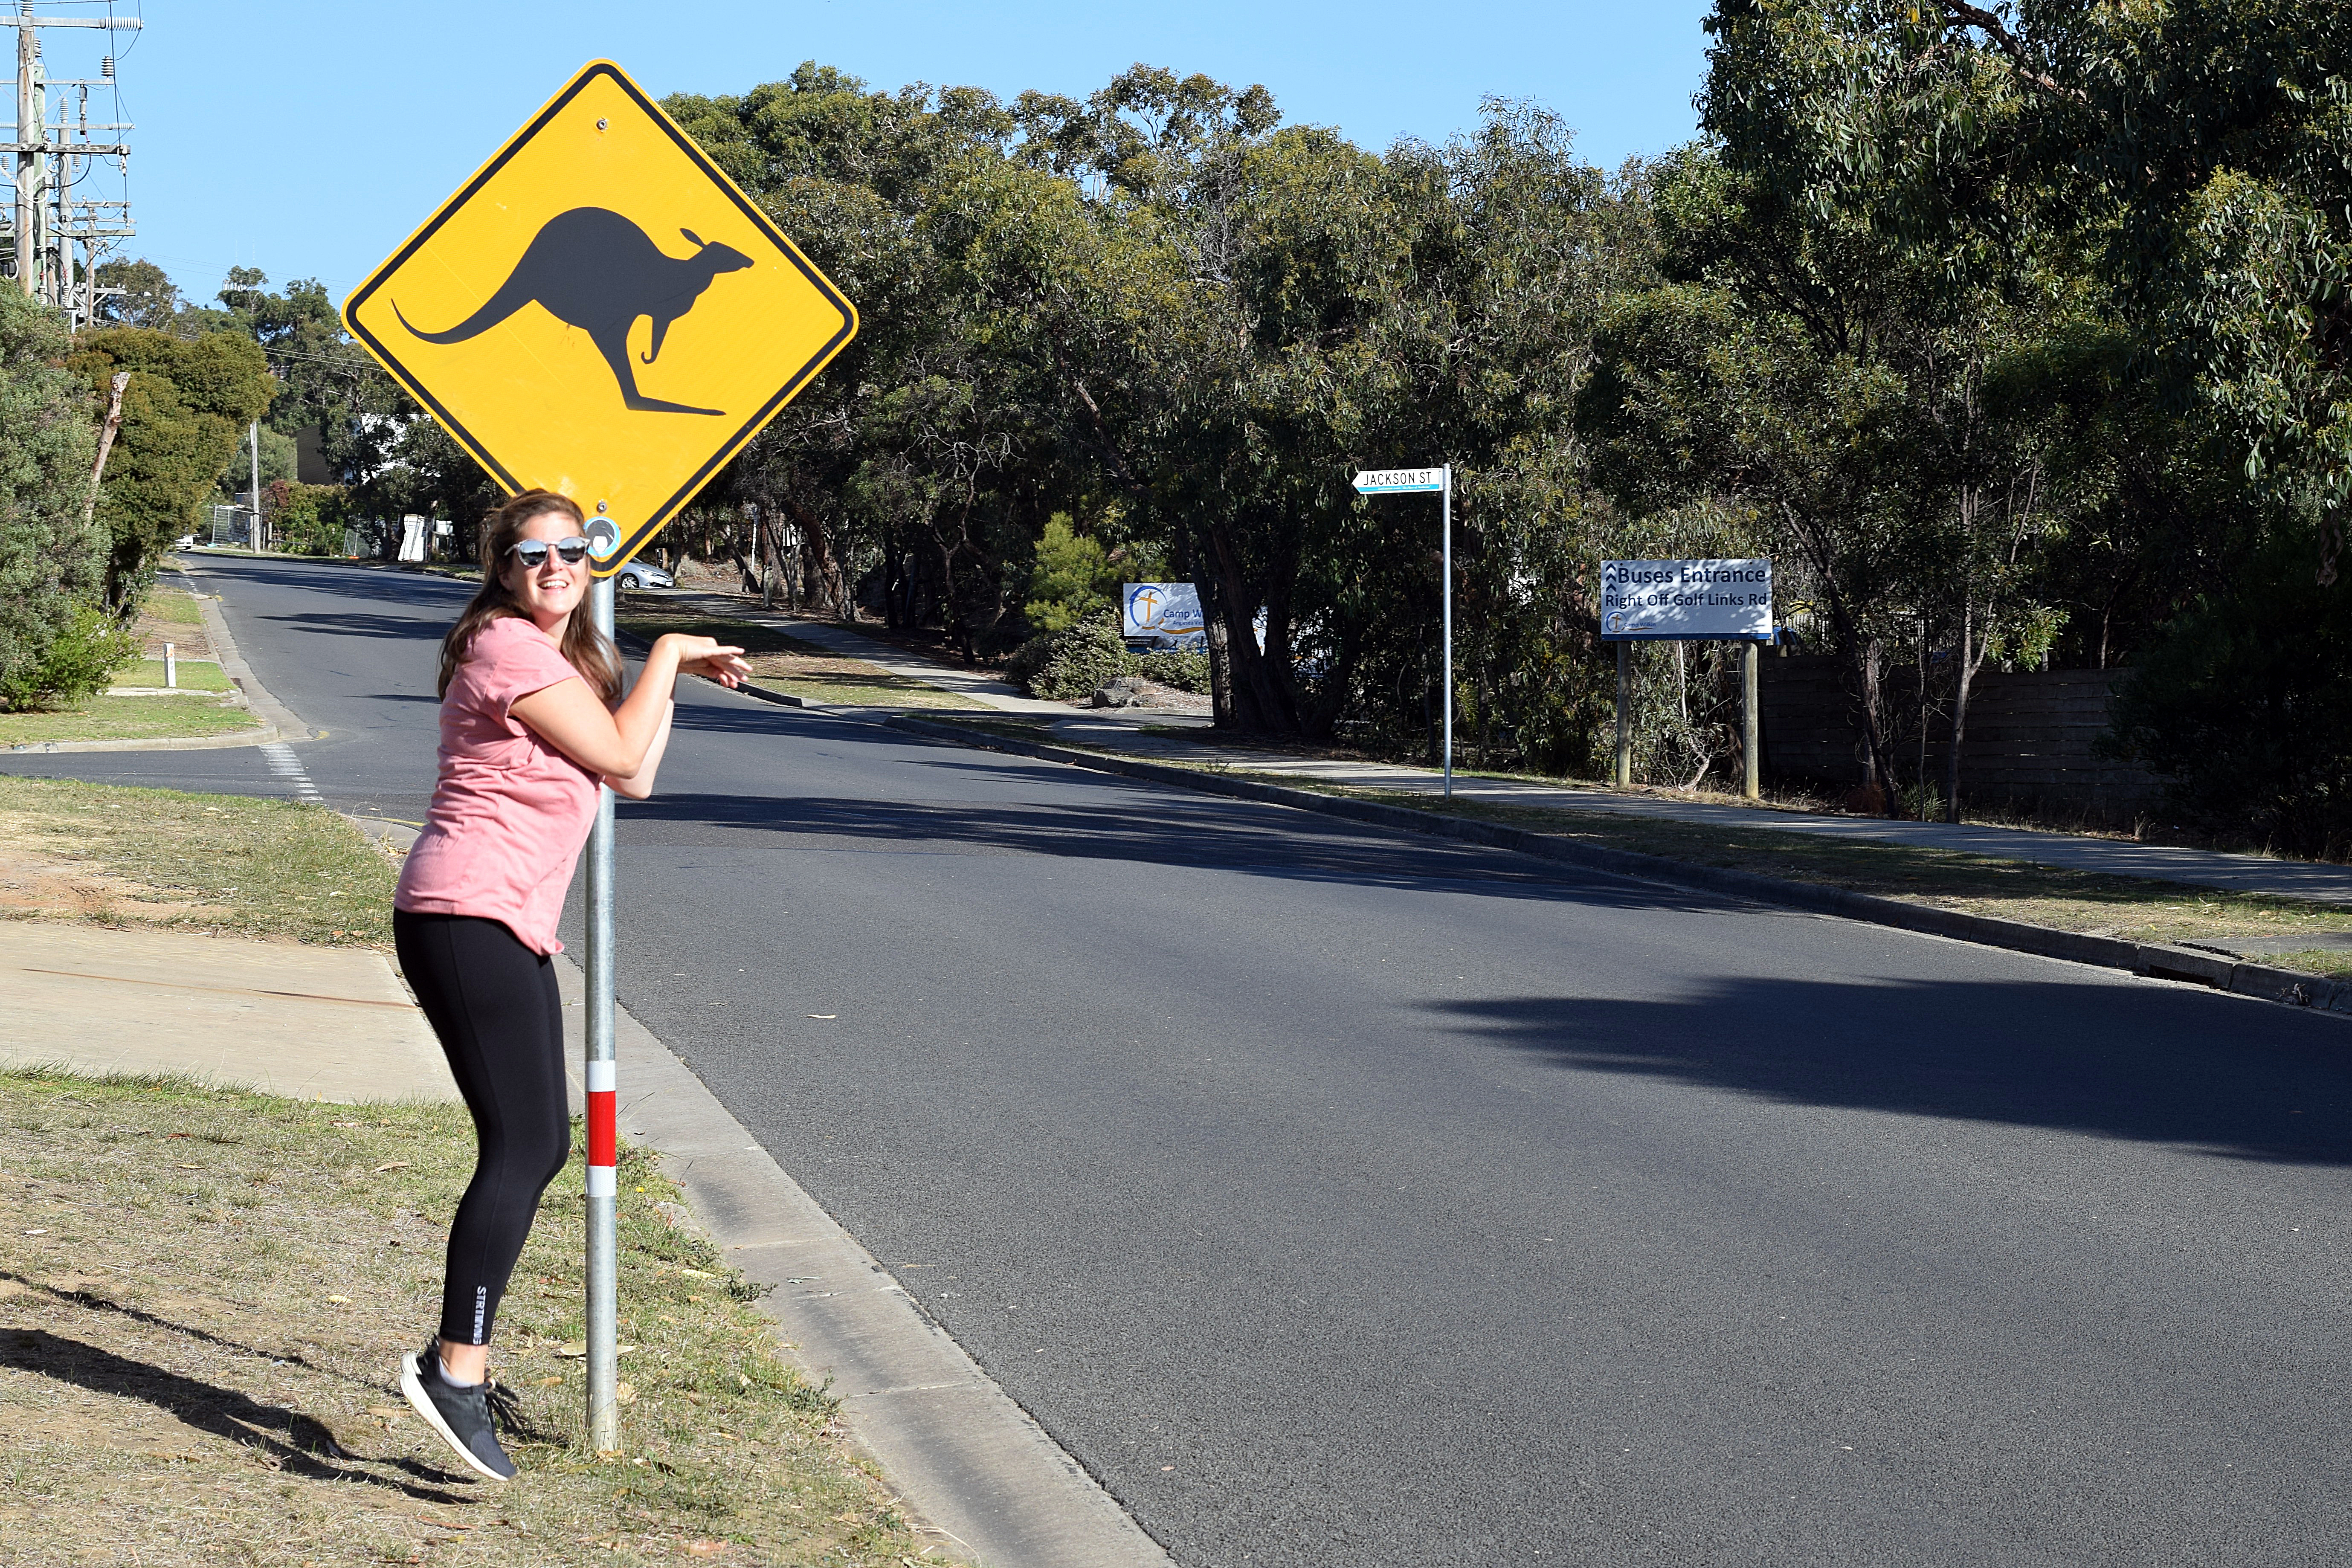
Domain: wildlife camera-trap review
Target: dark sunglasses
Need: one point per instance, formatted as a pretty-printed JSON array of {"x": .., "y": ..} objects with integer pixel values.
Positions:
[{"x": 532, "y": 552}]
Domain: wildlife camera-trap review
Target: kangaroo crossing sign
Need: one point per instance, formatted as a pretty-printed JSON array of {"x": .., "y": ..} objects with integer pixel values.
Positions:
[{"x": 600, "y": 312}]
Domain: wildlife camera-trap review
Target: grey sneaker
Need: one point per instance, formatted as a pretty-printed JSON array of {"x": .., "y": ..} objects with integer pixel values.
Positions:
[{"x": 462, "y": 1416}]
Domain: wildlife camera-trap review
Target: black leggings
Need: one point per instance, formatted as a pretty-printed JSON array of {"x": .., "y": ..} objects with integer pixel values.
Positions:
[{"x": 493, "y": 1002}]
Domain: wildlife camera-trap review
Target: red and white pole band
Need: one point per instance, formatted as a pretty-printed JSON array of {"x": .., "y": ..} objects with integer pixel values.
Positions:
[{"x": 604, "y": 1135}]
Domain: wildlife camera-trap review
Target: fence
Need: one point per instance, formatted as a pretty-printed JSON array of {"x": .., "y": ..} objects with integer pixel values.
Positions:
[
  {"x": 232, "y": 525},
  {"x": 2029, "y": 741}
]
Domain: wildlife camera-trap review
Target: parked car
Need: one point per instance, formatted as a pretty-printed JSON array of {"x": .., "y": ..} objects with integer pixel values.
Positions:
[{"x": 644, "y": 574}]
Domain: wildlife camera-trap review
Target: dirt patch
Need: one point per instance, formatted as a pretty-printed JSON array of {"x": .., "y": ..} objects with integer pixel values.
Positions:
[
  {"x": 172, "y": 616},
  {"x": 269, "y": 870}
]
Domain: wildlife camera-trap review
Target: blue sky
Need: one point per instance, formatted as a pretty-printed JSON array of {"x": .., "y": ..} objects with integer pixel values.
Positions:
[{"x": 309, "y": 138}]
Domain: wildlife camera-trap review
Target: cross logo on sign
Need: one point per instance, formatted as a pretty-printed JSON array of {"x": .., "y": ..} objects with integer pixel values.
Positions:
[{"x": 600, "y": 312}]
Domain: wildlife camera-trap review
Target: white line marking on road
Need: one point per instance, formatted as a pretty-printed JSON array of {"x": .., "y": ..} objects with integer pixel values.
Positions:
[{"x": 287, "y": 769}]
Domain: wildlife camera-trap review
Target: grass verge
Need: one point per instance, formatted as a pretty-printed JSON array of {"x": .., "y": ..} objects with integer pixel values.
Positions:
[
  {"x": 216, "y": 862},
  {"x": 195, "y": 674},
  {"x": 202, "y": 1296},
  {"x": 171, "y": 607},
  {"x": 783, "y": 662},
  {"x": 127, "y": 719},
  {"x": 2132, "y": 908}
]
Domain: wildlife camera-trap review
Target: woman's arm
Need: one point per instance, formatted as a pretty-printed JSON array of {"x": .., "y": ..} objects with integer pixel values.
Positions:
[
  {"x": 614, "y": 743},
  {"x": 640, "y": 785}
]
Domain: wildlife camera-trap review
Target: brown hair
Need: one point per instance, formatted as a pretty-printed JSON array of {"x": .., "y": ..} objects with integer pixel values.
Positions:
[{"x": 587, "y": 650}]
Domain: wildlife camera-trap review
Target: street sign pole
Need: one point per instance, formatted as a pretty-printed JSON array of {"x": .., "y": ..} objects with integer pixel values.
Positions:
[
  {"x": 603, "y": 1235},
  {"x": 581, "y": 216},
  {"x": 1447, "y": 550},
  {"x": 1408, "y": 481}
]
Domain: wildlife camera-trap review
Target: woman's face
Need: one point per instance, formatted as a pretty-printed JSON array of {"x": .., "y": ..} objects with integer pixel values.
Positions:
[{"x": 552, "y": 590}]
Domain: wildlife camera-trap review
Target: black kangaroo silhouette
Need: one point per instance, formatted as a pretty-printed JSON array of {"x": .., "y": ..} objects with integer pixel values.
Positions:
[{"x": 596, "y": 271}]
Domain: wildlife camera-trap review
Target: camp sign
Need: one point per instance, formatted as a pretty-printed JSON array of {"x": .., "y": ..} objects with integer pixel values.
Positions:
[
  {"x": 1686, "y": 600},
  {"x": 599, "y": 312}
]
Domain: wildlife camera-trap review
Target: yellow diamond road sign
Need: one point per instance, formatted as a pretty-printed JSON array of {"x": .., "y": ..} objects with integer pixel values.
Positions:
[{"x": 600, "y": 311}]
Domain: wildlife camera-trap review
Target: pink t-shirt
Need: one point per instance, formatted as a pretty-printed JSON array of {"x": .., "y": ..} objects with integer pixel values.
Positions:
[{"x": 510, "y": 812}]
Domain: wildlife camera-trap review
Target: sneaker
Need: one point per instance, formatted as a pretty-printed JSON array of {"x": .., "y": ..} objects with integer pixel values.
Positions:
[{"x": 462, "y": 1416}]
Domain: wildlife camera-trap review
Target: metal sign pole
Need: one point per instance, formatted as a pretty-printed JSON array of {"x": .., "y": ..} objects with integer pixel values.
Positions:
[
  {"x": 1448, "y": 553},
  {"x": 603, "y": 1237}
]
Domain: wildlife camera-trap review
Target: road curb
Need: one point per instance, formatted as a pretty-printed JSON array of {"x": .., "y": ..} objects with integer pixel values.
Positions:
[
  {"x": 2150, "y": 959},
  {"x": 261, "y": 737},
  {"x": 958, "y": 1450}
]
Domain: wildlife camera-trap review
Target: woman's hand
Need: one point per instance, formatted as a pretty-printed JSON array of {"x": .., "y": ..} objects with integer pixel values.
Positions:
[{"x": 707, "y": 656}]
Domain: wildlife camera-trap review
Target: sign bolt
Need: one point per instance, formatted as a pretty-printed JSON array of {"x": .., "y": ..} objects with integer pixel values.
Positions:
[
  {"x": 600, "y": 506},
  {"x": 599, "y": 125}
]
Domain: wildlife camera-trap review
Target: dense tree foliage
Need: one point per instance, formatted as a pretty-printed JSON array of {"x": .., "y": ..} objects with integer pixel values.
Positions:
[
  {"x": 2014, "y": 334},
  {"x": 184, "y": 422},
  {"x": 52, "y": 556}
]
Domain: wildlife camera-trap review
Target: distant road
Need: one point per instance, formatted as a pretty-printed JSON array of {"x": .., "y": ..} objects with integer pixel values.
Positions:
[{"x": 1344, "y": 1197}]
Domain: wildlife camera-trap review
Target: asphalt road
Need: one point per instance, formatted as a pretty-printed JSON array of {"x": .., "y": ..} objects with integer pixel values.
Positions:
[{"x": 1342, "y": 1196}]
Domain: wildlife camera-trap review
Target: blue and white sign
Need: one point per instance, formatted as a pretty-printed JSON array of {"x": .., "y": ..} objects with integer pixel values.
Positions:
[
  {"x": 1398, "y": 482},
  {"x": 1168, "y": 611},
  {"x": 1686, "y": 600}
]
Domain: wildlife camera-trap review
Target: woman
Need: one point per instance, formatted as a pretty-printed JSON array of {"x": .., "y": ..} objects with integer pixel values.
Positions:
[{"x": 529, "y": 726}]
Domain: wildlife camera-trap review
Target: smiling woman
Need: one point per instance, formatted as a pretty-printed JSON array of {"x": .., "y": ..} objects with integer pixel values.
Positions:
[{"x": 532, "y": 722}]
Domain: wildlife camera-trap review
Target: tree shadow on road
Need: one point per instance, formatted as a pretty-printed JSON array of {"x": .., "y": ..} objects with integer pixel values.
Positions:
[
  {"x": 1148, "y": 825},
  {"x": 2116, "y": 1059}
]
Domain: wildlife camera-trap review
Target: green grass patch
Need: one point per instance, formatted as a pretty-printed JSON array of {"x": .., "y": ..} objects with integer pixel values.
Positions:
[
  {"x": 782, "y": 662},
  {"x": 273, "y": 870},
  {"x": 195, "y": 674},
  {"x": 172, "y": 607},
  {"x": 128, "y": 718},
  {"x": 208, "y": 1292}
]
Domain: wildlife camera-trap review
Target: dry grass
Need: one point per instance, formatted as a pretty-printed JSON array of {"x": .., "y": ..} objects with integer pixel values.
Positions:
[
  {"x": 782, "y": 662},
  {"x": 264, "y": 869},
  {"x": 202, "y": 1296}
]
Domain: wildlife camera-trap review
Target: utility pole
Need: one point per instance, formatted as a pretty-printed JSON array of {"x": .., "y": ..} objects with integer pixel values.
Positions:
[
  {"x": 43, "y": 222},
  {"x": 261, "y": 538},
  {"x": 28, "y": 150}
]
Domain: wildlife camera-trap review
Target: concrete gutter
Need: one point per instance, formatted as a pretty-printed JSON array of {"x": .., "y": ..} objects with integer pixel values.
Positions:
[
  {"x": 967, "y": 1460},
  {"x": 2154, "y": 960}
]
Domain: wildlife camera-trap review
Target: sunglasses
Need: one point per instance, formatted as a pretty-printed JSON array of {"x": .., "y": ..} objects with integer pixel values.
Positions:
[{"x": 532, "y": 552}]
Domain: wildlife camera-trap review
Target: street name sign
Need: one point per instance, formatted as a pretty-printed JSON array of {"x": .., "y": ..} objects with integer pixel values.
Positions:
[
  {"x": 600, "y": 312},
  {"x": 1398, "y": 481},
  {"x": 1686, "y": 600}
]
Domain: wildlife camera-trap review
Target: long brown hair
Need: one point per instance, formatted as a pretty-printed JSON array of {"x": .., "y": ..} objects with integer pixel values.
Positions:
[{"x": 587, "y": 650}]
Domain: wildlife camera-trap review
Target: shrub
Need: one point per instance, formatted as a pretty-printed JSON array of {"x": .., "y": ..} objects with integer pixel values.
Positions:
[
  {"x": 306, "y": 520},
  {"x": 1066, "y": 665},
  {"x": 1183, "y": 671},
  {"x": 52, "y": 559},
  {"x": 1081, "y": 659},
  {"x": 1072, "y": 580},
  {"x": 76, "y": 665}
]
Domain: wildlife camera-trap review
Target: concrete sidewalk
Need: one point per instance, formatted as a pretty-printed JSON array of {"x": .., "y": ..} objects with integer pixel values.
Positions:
[
  {"x": 308, "y": 1022},
  {"x": 1124, "y": 732}
]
